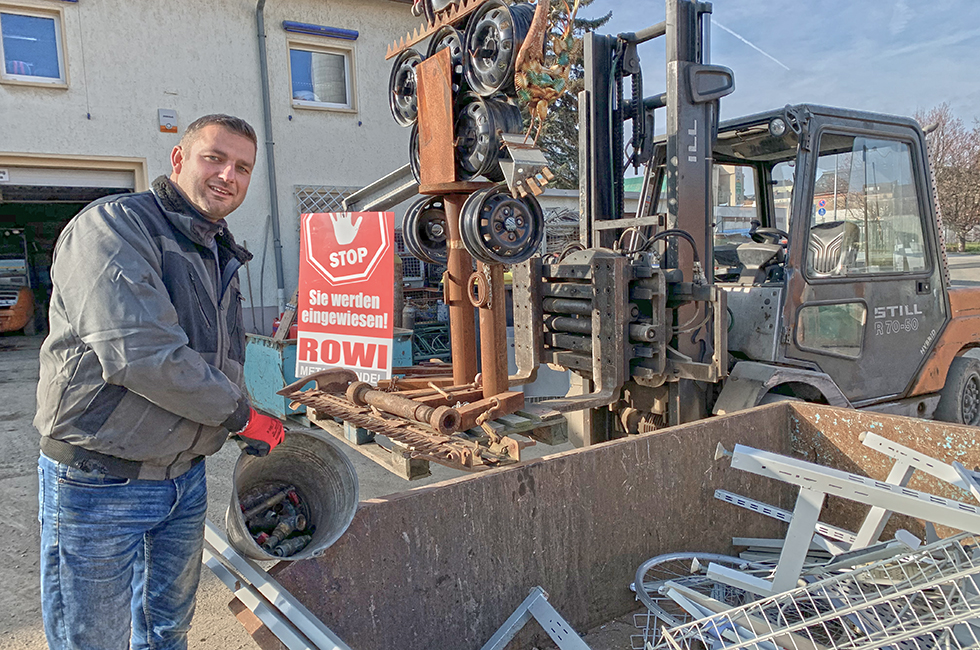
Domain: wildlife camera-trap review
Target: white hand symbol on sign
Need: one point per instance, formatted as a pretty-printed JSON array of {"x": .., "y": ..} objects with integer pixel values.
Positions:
[{"x": 343, "y": 230}]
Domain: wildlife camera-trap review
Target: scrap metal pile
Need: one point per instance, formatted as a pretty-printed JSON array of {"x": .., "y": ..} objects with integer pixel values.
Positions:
[
  {"x": 277, "y": 518},
  {"x": 461, "y": 101},
  {"x": 825, "y": 587},
  {"x": 418, "y": 420}
]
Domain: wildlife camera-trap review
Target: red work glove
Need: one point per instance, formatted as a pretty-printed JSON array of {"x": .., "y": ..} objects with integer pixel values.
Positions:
[{"x": 260, "y": 435}]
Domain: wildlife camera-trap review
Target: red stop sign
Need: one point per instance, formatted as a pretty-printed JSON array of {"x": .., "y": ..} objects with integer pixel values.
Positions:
[{"x": 345, "y": 247}]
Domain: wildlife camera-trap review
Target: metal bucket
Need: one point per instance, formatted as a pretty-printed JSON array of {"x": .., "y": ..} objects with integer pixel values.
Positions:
[{"x": 325, "y": 482}]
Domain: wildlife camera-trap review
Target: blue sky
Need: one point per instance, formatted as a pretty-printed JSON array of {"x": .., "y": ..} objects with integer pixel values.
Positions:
[{"x": 891, "y": 56}]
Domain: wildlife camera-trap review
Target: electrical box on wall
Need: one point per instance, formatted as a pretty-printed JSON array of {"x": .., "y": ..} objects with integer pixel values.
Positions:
[{"x": 168, "y": 120}]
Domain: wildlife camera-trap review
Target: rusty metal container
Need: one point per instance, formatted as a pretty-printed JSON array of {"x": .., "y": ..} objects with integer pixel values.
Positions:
[{"x": 449, "y": 562}]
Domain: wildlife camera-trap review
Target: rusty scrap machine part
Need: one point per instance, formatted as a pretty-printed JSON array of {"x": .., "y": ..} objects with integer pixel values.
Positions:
[
  {"x": 419, "y": 440},
  {"x": 443, "y": 419},
  {"x": 454, "y": 15}
]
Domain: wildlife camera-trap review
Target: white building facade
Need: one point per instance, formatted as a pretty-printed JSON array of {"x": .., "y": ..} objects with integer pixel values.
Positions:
[{"x": 94, "y": 95}]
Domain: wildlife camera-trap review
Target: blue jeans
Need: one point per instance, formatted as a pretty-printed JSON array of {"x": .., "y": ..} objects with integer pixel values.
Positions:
[{"x": 120, "y": 558}]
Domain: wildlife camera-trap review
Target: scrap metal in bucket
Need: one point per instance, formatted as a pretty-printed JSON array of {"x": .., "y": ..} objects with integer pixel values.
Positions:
[{"x": 293, "y": 503}]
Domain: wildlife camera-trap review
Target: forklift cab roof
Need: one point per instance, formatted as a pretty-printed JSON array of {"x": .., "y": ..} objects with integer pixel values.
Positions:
[{"x": 774, "y": 135}]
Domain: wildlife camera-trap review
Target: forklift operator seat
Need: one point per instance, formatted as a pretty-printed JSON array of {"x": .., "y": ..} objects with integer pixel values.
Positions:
[
  {"x": 830, "y": 245},
  {"x": 756, "y": 259}
]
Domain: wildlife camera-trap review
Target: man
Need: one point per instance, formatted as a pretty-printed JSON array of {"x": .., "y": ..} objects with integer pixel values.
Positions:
[{"x": 141, "y": 379}]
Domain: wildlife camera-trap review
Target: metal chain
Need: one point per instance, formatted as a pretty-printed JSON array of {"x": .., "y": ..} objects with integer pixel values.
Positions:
[{"x": 487, "y": 276}]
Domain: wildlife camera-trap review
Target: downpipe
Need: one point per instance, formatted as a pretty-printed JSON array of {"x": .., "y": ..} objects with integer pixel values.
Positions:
[{"x": 270, "y": 157}]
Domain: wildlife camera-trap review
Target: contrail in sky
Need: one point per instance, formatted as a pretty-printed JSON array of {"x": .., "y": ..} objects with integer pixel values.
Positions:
[{"x": 768, "y": 56}]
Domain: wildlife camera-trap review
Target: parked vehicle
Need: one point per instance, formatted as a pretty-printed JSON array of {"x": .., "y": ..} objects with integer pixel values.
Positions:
[{"x": 16, "y": 293}]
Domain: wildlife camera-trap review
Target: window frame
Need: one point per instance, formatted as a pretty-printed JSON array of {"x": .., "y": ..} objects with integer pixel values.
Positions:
[
  {"x": 56, "y": 14},
  {"x": 816, "y": 304},
  {"x": 319, "y": 46},
  {"x": 921, "y": 202}
]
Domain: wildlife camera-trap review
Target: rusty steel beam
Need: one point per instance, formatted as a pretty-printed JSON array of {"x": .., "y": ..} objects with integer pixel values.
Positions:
[
  {"x": 433, "y": 390},
  {"x": 462, "y": 326},
  {"x": 471, "y": 395},
  {"x": 493, "y": 332},
  {"x": 414, "y": 383},
  {"x": 500, "y": 404}
]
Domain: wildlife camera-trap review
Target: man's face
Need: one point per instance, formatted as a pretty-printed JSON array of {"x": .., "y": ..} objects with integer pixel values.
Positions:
[{"x": 213, "y": 170}]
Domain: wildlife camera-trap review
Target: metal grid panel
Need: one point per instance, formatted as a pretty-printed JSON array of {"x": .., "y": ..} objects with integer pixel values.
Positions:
[
  {"x": 321, "y": 198},
  {"x": 412, "y": 268},
  {"x": 561, "y": 228},
  {"x": 929, "y": 598}
]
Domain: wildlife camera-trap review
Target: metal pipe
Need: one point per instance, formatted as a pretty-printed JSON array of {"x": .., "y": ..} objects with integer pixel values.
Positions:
[
  {"x": 578, "y": 307},
  {"x": 649, "y": 104},
  {"x": 568, "y": 306},
  {"x": 493, "y": 333},
  {"x": 270, "y": 157},
  {"x": 644, "y": 35},
  {"x": 571, "y": 325},
  {"x": 269, "y": 503},
  {"x": 292, "y": 546},
  {"x": 459, "y": 266},
  {"x": 637, "y": 332},
  {"x": 443, "y": 419}
]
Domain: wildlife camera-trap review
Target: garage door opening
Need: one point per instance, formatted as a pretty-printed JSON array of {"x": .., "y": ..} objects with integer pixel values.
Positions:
[{"x": 35, "y": 205}]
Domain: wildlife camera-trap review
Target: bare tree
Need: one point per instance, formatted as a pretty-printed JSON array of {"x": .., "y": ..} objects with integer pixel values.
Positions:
[{"x": 956, "y": 166}]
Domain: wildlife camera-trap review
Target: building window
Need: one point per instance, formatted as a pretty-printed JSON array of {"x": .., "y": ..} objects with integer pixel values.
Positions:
[
  {"x": 322, "y": 77},
  {"x": 32, "y": 49}
]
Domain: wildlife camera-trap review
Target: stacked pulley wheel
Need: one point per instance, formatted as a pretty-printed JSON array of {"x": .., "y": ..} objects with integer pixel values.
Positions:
[
  {"x": 479, "y": 123},
  {"x": 497, "y": 228},
  {"x": 403, "y": 88},
  {"x": 424, "y": 230},
  {"x": 494, "y": 36}
]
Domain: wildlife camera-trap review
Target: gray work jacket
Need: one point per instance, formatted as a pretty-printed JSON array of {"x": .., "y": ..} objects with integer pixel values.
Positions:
[{"x": 145, "y": 356}]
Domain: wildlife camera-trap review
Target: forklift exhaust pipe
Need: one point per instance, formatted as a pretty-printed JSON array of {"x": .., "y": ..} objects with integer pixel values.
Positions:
[{"x": 325, "y": 483}]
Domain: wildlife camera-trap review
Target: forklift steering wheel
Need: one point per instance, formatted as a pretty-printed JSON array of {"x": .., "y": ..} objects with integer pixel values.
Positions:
[{"x": 769, "y": 236}]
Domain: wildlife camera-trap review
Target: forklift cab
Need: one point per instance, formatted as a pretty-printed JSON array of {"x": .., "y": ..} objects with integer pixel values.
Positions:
[{"x": 826, "y": 244}]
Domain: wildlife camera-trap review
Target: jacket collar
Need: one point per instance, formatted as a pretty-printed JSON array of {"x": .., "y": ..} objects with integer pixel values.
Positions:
[{"x": 188, "y": 220}]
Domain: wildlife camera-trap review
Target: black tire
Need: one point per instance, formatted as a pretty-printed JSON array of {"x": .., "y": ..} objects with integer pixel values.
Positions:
[{"x": 959, "y": 401}]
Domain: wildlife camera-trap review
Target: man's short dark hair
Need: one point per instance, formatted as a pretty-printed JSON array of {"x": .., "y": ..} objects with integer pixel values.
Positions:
[{"x": 233, "y": 124}]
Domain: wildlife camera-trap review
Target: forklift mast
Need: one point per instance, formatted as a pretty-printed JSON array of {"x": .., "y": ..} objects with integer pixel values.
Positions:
[{"x": 664, "y": 294}]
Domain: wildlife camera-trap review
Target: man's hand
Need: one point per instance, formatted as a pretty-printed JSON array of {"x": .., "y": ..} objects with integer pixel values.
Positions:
[
  {"x": 260, "y": 435},
  {"x": 343, "y": 230}
]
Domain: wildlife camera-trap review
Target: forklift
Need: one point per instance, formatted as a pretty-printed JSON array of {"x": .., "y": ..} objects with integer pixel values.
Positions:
[
  {"x": 16, "y": 291},
  {"x": 795, "y": 254}
]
